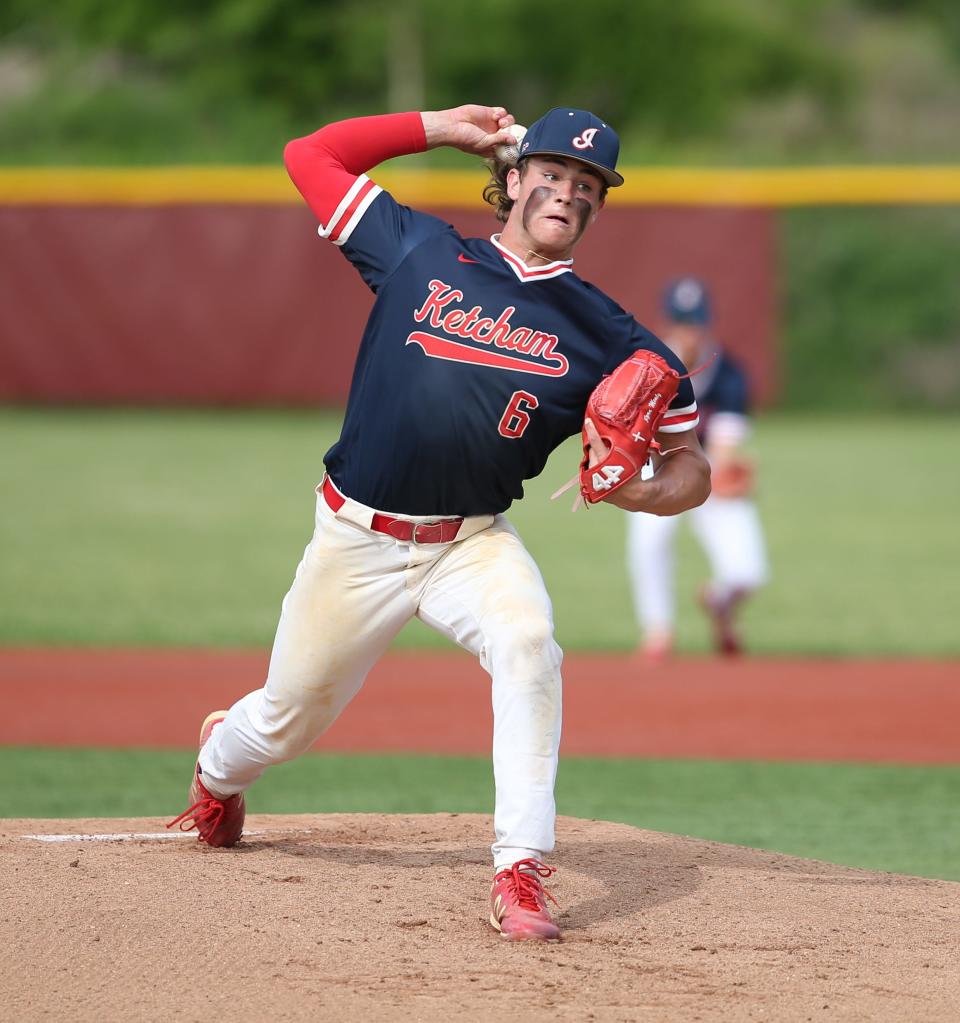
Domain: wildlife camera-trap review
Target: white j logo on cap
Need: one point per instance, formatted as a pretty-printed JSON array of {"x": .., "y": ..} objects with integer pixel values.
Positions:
[{"x": 585, "y": 141}]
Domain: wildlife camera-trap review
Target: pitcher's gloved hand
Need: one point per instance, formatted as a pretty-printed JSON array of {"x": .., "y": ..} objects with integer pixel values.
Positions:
[{"x": 625, "y": 410}]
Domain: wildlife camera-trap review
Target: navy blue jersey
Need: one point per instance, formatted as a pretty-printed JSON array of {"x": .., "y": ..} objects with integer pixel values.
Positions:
[
  {"x": 473, "y": 366},
  {"x": 721, "y": 388}
]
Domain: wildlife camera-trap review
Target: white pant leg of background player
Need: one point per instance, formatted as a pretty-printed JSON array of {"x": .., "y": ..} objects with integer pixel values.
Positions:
[
  {"x": 487, "y": 594},
  {"x": 650, "y": 564},
  {"x": 731, "y": 535},
  {"x": 329, "y": 636}
]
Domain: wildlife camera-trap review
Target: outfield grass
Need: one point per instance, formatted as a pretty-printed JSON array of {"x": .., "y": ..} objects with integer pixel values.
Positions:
[
  {"x": 178, "y": 528},
  {"x": 885, "y": 818}
]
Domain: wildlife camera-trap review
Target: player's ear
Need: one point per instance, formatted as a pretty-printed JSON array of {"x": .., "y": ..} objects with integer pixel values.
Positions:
[{"x": 513, "y": 183}]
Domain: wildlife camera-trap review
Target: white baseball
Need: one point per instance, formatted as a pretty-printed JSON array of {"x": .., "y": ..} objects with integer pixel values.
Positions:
[{"x": 509, "y": 154}]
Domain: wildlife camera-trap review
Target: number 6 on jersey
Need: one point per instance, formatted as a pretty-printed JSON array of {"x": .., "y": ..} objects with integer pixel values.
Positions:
[{"x": 516, "y": 418}]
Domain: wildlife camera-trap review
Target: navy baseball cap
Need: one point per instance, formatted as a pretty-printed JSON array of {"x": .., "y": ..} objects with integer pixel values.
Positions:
[
  {"x": 577, "y": 134},
  {"x": 686, "y": 300}
]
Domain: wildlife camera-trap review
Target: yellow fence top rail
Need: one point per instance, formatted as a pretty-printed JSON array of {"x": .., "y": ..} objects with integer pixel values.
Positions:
[{"x": 687, "y": 186}]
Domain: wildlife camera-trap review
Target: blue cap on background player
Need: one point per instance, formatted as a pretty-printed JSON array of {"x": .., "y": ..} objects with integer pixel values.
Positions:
[
  {"x": 686, "y": 300},
  {"x": 577, "y": 134}
]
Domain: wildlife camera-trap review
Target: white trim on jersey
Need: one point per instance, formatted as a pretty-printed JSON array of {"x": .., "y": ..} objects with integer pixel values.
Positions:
[
  {"x": 362, "y": 208},
  {"x": 324, "y": 232},
  {"x": 531, "y": 273},
  {"x": 678, "y": 420},
  {"x": 728, "y": 428},
  {"x": 350, "y": 210}
]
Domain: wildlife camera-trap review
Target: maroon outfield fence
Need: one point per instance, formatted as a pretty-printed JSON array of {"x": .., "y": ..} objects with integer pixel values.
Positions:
[{"x": 188, "y": 301}]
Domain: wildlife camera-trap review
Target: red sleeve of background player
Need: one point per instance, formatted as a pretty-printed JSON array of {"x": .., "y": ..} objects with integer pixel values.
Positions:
[{"x": 325, "y": 166}]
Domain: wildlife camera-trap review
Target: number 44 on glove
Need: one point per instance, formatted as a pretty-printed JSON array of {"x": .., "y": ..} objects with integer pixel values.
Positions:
[{"x": 626, "y": 409}]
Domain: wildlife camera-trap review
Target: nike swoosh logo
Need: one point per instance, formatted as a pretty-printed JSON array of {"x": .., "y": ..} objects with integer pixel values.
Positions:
[{"x": 463, "y": 259}]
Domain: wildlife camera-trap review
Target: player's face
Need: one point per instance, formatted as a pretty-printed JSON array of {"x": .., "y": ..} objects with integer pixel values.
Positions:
[
  {"x": 687, "y": 340},
  {"x": 555, "y": 200}
]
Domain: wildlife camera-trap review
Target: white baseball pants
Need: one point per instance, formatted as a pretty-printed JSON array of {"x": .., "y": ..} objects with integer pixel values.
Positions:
[
  {"x": 353, "y": 591},
  {"x": 728, "y": 529}
]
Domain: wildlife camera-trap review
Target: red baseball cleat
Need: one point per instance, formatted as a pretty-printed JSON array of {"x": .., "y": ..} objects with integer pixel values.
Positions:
[
  {"x": 657, "y": 646},
  {"x": 518, "y": 907},
  {"x": 720, "y": 611},
  {"x": 219, "y": 822}
]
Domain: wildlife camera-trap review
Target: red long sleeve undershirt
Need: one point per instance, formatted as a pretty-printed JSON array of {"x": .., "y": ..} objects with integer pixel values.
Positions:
[{"x": 325, "y": 164}]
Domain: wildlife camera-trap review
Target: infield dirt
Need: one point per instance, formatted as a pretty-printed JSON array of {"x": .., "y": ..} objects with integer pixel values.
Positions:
[{"x": 364, "y": 917}]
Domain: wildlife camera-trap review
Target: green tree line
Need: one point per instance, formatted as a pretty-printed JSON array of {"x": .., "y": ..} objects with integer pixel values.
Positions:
[{"x": 693, "y": 79}]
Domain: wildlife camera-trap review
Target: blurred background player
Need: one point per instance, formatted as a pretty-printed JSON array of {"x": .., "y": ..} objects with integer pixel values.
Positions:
[{"x": 727, "y": 525}]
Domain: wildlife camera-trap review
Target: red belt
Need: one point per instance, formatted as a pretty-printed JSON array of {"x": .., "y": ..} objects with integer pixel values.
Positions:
[{"x": 441, "y": 531}]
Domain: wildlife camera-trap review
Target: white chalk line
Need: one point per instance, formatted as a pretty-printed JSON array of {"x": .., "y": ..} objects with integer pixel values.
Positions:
[{"x": 143, "y": 836}]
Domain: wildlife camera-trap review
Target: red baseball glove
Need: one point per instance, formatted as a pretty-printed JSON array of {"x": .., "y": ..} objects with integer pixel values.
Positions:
[{"x": 626, "y": 409}]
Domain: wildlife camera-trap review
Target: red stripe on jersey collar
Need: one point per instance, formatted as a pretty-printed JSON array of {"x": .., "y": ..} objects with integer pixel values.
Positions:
[{"x": 531, "y": 273}]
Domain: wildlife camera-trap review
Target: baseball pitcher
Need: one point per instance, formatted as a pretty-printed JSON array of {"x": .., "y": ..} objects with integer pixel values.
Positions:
[{"x": 479, "y": 357}]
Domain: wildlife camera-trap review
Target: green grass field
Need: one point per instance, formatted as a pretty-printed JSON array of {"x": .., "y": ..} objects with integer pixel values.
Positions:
[
  {"x": 184, "y": 529},
  {"x": 885, "y": 818}
]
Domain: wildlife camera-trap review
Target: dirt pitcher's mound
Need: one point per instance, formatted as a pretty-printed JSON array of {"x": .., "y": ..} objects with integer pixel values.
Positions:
[{"x": 369, "y": 918}]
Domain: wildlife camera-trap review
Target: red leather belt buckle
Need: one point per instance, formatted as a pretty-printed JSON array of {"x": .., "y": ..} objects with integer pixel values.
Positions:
[
  {"x": 436, "y": 532},
  {"x": 442, "y": 531}
]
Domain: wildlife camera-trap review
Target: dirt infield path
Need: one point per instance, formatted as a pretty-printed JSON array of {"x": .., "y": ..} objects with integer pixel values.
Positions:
[
  {"x": 364, "y": 917},
  {"x": 892, "y": 711}
]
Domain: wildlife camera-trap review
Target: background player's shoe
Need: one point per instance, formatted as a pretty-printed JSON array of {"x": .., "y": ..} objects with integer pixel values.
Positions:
[
  {"x": 518, "y": 906},
  {"x": 657, "y": 646},
  {"x": 218, "y": 821},
  {"x": 720, "y": 610}
]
